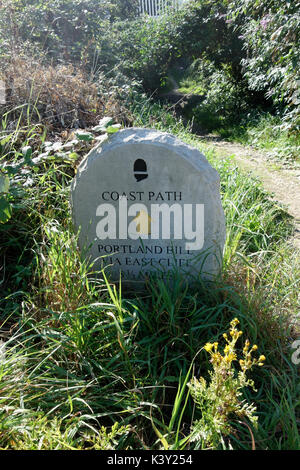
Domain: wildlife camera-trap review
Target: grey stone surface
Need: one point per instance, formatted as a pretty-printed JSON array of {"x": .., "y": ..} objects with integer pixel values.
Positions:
[{"x": 146, "y": 202}]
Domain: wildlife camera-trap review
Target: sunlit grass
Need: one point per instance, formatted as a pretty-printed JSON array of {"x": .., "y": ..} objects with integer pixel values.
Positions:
[
  {"x": 267, "y": 133},
  {"x": 81, "y": 355}
]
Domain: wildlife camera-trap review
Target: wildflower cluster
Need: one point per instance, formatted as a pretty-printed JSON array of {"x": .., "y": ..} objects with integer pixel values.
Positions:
[
  {"x": 229, "y": 350},
  {"x": 221, "y": 398}
]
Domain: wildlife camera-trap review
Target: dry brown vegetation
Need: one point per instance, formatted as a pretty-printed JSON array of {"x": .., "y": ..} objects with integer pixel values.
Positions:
[{"x": 59, "y": 96}]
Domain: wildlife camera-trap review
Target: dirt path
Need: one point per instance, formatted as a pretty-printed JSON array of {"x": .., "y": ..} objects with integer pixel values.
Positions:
[{"x": 283, "y": 183}]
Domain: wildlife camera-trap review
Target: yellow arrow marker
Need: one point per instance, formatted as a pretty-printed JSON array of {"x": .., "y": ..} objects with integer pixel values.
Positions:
[{"x": 143, "y": 223}]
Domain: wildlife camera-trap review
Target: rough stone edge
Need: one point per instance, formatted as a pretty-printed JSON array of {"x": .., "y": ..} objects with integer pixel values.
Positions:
[
  {"x": 153, "y": 137},
  {"x": 158, "y": 138}
]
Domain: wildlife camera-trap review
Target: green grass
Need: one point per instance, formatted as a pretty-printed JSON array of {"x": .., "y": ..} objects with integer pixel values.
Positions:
[
  {"x": 88, "y": 366},
  {"x": 267, "y": 133},
  {"x": 186, "y": 83},
  {"x": 189, "y": 86},
  {"x": 261, "y": 130}
]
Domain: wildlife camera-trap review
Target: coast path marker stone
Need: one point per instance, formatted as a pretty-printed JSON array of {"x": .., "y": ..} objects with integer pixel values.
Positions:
[{"x": 144, "y": 202}]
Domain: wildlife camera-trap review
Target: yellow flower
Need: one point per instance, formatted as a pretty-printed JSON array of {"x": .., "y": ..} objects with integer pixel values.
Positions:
[
  {"x": 217, "y": 358},
  {"x": 230, "y": 357},
  {"x": 234, "y": 322},
  {"x": 208, "y": 347}
]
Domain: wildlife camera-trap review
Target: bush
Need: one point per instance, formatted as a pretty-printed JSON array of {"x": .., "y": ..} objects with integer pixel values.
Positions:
[
  {"x": 224, "y": 100},
  {"x": 66, "y": 29},
  {"x": 141, "y": 49},
  {"x": 270, "y": 34}
]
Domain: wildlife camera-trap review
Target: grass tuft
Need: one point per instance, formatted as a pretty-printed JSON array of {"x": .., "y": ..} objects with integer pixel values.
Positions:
[{"x": 86, "y": 365}]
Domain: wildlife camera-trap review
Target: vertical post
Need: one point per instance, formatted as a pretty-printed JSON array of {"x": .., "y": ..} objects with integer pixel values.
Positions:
[{"x": 2, "y": 92}]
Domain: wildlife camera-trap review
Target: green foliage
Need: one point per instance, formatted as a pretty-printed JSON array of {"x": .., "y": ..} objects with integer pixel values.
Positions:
[
  {"x": 145, "y": 48},
  {"x": 12, "y": 170},
  {"x": 83, "y": 354},
  {"x": 65, "y": 29},
  {"x": 221, "y": 398},
  {"x": 264, "y": 131},
  {"x": 25, "y": 430},
  {"x": 223, "y": 101},
  {"x": 142, "y": 49},
  {"x": 5, "y": 206},
  {"x": 251, "y": 44},
  {"x": 270, "y": 33},
  {"x": 85, "y": 364},
  {"x": 252, "y": 48}
]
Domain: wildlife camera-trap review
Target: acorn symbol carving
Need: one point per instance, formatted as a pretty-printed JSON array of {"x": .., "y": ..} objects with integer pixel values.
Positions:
[{"x": 140, "y": 170}]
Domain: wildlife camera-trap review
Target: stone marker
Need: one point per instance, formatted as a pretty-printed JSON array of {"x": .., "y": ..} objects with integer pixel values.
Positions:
[{"x": 145, "y": 202}]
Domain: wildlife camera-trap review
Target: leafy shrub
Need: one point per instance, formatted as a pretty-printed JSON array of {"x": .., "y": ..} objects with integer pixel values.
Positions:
[
  {"x": 223, "y": 100},
  {"x": 270, "y": 33},
  {"x": 63, "y": 28},
  {"x": 145, "y": 48},
  {"x": 141, "y": 49}
]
